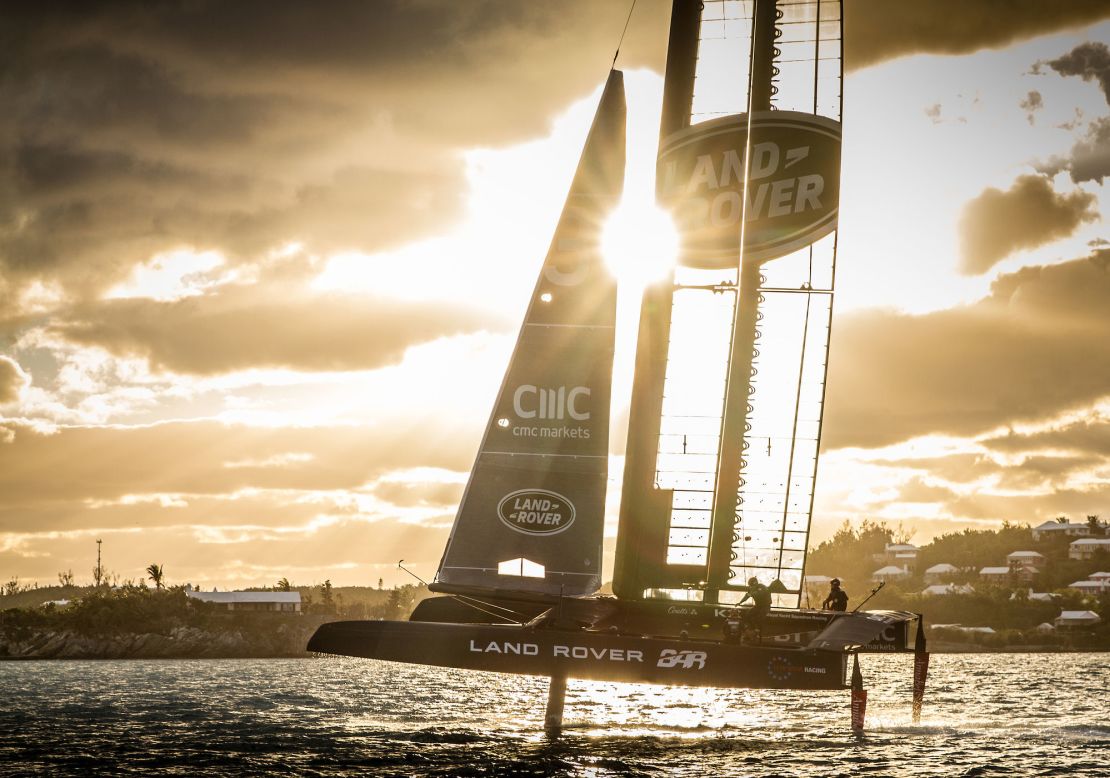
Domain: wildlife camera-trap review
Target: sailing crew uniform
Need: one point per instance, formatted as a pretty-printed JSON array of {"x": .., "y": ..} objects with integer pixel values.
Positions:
[
  {"x": 761, "y": 604},
  {"x": 836, "y": 601}
]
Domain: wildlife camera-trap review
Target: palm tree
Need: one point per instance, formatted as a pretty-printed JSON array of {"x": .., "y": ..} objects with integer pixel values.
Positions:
[
  {"x": 284, "y": 586},
  {"x": 154, "y": 572}
]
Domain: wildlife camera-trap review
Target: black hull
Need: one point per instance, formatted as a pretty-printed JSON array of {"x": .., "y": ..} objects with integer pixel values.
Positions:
[
  {"x": 659, "y": 618},
  {"x": 586, "y": 655}
]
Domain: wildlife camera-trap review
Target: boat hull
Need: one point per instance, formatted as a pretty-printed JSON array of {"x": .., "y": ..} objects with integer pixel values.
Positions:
[{"x": 586, "y": 655}]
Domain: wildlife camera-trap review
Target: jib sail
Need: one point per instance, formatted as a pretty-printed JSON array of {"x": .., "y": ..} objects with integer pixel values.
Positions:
[{"x": 532, "y": 515}]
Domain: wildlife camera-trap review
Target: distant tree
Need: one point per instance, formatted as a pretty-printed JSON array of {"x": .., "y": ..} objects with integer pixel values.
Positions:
[
  {"x": 13, "y": 587},
  {"x": 1098, "y": 529},
  {"x": 283, "y": 585},
  {"x": 326, "y": 598},
  {"x": 1061, "y": 519},
  {"x": 65, "y": 578},
  {"x": 154, "y": 573}
]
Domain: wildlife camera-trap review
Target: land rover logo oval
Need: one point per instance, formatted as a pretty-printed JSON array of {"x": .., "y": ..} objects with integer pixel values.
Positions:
[
  {"x": 536, "y": 511},
  {"x": 793, "y": 185}
]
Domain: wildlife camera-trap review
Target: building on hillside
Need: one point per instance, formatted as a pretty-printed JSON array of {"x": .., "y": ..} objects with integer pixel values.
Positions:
[
  {"x": 940, "y": 590},
  {"x": 1028, "y": 559},
  {"x": 1085, "y": 548},
  {"x": 1056, "y": 529},
  {"x": 900, "y": 554},
  {"x": 1044, "y": 626},
  {"x": 939, "y": 573},
  {"x": 962, "y": 628},
  {"x": 1043, "y": 596},
  {"x": 995, "y": 574},
  {"x": 1077, "y": 619},
  {"x": 1090, "y": 587},
  {"x": 1099, "y": 577},
  {"x": 283, "y": 602},
  {"x": 890, "y": 573}
]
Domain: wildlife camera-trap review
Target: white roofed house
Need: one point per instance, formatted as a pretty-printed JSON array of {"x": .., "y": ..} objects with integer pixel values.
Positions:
[
  {"x": 1085, "y": 548},
  {"x": 890, "y": 573},
  {"x": 939, "y": 573},
  {"x": 1090, "y": 587},
  {"x": 995, "y": 574},
  {"x": 1077, "y": 619},
  {"x": 1058, "y": 528},
  {"x": 275, "y": 602},
  {"x": 900, "y": 554},
  {"x": 940, "y": 590},
  {"x": 1028, "y": 559}
]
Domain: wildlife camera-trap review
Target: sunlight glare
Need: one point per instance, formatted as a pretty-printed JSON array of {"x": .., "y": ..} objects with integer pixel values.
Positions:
[{"x": 639, "y": 243}]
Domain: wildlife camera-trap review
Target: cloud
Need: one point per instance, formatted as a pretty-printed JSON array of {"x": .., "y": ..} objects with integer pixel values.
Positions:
[
  {"x": 79, "y": 466},
  {"x": 241, "y": 327},
  {"x": 13, "y": 380},
  {"x": 1090, "y": 61},
  {"x": 1029, "y": 214},
  {"x": 1089, "y": 435},
  {"x": 1036, "y": 346},
  {"x": 879, "y": 30},
  {"x": 1089, "y": 158},
  {"x": 1032, "y": 103}
]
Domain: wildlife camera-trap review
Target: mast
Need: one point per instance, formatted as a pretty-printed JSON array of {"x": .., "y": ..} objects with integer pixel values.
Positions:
[
  {"x": 645, "y": 509},
  {"x": 733, "y": 427}
]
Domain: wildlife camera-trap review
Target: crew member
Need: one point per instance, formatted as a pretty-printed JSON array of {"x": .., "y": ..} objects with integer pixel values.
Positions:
[
  {"x": 761, "y": 604},
  {"x": 837, "y": 599}
]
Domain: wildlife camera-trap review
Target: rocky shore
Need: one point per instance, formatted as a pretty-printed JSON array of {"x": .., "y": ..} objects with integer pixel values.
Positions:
[{"x": 287, "y": 639}]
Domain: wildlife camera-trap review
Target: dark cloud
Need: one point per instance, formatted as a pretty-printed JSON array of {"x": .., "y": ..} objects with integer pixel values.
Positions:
[
  {"x": 1029, "y": 214},
  {"x": 1090, "y": 61},
  {"x": 419, "y": 494},
  {"x": 1032, "y": 103},
  {"x": 1034, "y": 348},
  {"x": 1089, "y": 436},
  {"x": 879, "y": 30},
  {"x": 13, "y": 380},
  {"x": 1089, "y": 158},
  {"x": 239, "y": 328}
]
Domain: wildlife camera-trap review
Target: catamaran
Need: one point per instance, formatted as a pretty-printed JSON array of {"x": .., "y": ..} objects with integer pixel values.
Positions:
[{"x": 726, "y": 404}]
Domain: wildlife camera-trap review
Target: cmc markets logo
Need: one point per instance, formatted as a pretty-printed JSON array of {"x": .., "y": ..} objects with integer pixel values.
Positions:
[
  {"x": 538, "y": 402},
  {"x": 536, "y": 511},
  {"x": 669, "y": 657}
]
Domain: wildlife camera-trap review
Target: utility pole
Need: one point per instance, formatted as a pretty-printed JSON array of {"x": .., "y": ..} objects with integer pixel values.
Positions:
[{"x": 98, "y": 573}]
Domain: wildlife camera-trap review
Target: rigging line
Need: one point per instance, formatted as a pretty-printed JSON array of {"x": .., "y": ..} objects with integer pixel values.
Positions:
[
  {"x": 617, "y": 53},
  {"x": 469, "y": 600}
]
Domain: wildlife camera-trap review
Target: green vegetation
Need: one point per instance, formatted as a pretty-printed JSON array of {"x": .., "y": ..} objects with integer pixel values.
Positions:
[{"x": 855, "y": 553}]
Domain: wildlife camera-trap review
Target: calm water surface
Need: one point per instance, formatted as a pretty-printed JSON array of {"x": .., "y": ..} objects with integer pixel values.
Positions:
[{"x": 995, "y": 714}]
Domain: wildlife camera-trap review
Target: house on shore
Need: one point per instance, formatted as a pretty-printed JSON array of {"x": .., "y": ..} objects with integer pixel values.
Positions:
[
  {"x": 890, "y": 573},
  {"x": 900, "y": 555},
  {"x": 1027, "y": 560},
  {"x": 939, "y": 573},
  {"x": 1058, "y": 528},
  {"x": 1085, "y": 548},
  {"x": 940, "y": 590},
  {"x": 280, "y": 602},
  {"x": 1077, "y": 619},
  {"x": 1000, "y": 575}
]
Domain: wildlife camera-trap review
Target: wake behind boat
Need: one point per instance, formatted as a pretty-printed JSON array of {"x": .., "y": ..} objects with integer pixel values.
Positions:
[{"x": 726, "y": 406}]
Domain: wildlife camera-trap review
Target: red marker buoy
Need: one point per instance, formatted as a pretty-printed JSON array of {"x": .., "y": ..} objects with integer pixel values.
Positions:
[{"x": 859, "y": 698}]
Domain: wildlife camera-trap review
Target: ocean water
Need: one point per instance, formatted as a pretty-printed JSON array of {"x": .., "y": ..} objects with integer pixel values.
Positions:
[{"x": 985, "y": 714}]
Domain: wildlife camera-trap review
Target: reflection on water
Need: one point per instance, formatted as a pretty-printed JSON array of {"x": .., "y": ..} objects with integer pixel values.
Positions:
[{"x": 985, "y": 714}]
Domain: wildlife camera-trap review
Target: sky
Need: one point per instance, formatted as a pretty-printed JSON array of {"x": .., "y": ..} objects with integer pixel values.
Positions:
[{"x": 261, "y": 269}]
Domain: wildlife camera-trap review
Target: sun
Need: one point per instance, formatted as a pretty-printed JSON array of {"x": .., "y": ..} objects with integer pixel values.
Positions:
[{"x": 639, "y": 242}]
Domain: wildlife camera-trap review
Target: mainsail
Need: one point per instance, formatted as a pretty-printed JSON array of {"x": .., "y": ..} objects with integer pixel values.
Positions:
[
  {"x": 532, "y": 516},
  {"x": 730, "y": 371}
]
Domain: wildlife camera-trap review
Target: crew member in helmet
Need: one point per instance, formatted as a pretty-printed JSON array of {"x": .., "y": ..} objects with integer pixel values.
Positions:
[
  {"x": 760, "y": 596},
  {"x": 837, "y": 599}
]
